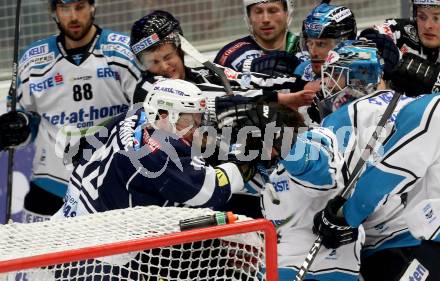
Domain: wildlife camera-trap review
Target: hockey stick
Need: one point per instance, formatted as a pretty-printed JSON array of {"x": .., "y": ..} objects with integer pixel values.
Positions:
[
  {"x": 313, "y": 252},
  {"x": 13, "y": 107},
  {"x": 189, "y": 49}
]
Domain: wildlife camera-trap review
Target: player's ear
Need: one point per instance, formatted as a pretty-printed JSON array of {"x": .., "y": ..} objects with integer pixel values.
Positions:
[{"x": 92, "y": 11}]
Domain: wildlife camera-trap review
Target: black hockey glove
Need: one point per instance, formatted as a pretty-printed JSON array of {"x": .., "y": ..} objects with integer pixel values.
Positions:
[
  {"x": 275, "y": 64},
  {"x": 313, "y": 110},
  {"x": 334, "y": 230},
  {"x": 388, "y": 50},
  {"x": 416, "y": 76},
  {"x": 14, "y": 129},
  {"x": 240, "y": 112}
]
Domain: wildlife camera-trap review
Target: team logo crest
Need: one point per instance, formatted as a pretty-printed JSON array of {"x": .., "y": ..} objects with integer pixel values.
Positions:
[
  {"x": 411, "y": 31},
  {"x": 332, "y": 57}
]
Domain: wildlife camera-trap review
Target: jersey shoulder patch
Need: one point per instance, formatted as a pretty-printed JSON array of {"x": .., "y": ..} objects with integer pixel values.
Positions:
[
  {"x": 39, "y": 53},
  {"x": 230, "y": 49},
  {"x": 115, "y": 43}
]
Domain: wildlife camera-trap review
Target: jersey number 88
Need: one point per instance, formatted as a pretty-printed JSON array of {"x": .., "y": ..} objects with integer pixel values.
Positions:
[{"x": 82, "y": 92}]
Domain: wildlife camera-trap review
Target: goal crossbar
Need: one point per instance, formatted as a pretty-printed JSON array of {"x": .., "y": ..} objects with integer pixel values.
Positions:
[{"x": 41, "y": 246}]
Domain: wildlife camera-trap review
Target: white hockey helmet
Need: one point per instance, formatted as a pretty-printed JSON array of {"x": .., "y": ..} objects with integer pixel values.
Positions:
[
  {"x": 248, "y": 3},
  {"x": 174, "y": 96}
]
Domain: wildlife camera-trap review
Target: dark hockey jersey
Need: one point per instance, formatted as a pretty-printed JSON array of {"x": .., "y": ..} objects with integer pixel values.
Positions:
[
  {"x": 250, "y": 84},
  {"x": 404, "y": 34},
  {"x": 126, "y": 165},
  {"x": 235, "y": 53}
]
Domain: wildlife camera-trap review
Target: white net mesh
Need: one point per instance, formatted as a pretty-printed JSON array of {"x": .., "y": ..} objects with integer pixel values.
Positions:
[{"x": 79, "y": 248}]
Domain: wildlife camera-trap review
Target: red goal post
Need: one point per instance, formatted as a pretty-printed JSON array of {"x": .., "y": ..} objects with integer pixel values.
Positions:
[{"x": 142, "y": 243}]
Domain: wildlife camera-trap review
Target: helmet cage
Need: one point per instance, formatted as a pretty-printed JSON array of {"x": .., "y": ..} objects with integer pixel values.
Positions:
[{"x": 351, "y": 71}]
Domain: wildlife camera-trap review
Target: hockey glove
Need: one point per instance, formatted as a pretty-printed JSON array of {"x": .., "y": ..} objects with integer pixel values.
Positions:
[
  {"x": 275, "y": 64},
  {"x": 14, "y": 128},
  {"x": 265, "y": 122},
  {"x": 388, "y": 50},
  {"x": 416, "y": 76},
  {"x": 334, "y": 229}
]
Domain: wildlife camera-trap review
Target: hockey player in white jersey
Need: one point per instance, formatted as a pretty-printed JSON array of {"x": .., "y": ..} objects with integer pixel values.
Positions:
[
  {"x": 390, "y": 248},
  {"x": 73, "y": 81}
]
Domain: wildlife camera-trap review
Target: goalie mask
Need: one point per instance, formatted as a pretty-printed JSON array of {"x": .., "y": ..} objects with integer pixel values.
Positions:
[
  {"x": 174, "y": 97},
  {"x": 288, "y": 6},
  {"x": 152, "y": 30},
  {"x": 352, "y": 70}
]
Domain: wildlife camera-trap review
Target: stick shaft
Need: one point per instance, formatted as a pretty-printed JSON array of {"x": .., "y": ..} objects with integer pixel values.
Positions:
[
  {"x": 189, "y": 49},
  {"x": 313, "y": 252},
  {"x": 13, "y": 107}
]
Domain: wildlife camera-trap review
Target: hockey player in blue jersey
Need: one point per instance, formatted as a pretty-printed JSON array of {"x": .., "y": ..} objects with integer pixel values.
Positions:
[
  {"x": 145, "y": 158},
  {"x": 270, "y": 48},
  {"x": 268, "y": 23},
  {"x": 71, "y": 82},
  {"x": 163, "y": 56}
]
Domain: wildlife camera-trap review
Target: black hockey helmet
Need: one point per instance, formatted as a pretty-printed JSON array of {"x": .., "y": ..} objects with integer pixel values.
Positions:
[
  {"x": 53, "y": 3},
  {"x": 156, "y": 28}
]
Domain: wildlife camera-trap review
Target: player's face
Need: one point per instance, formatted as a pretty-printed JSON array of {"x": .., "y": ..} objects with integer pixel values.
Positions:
[
  {"x": 318, "y": 50},
  {"x": 188, "y": 124},
  {"x": 269, "y": 23},
  {"x": 428, "y": 25},
  {"x": 76, "y": 19},
  {"x": 164, "y": 61}
]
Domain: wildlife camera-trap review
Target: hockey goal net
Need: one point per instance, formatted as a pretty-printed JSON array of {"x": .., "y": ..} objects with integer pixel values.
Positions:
[{"x": 142, "y": 243}]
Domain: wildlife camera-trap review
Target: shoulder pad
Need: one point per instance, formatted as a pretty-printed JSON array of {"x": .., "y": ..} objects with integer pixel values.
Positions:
[
  {"x": 40, "y": 52},
  {"x": 230, "y": 49},
  {"x": 117, "y": 43}
]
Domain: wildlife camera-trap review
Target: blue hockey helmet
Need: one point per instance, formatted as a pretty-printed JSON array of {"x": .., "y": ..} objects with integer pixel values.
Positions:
[
  {"x": 330, "y": 21},
  {"x": 352, "y": 70},
  {"x": 53, "y": 3}
]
